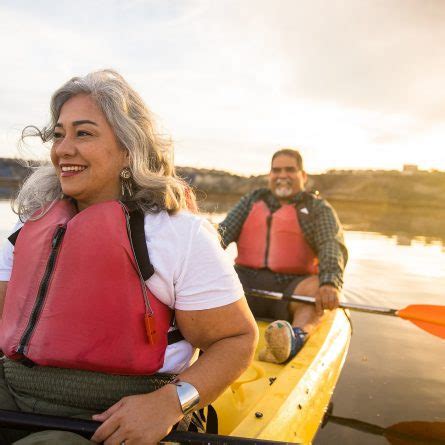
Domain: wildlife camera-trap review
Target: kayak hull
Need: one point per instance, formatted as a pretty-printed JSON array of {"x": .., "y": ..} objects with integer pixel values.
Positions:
[{"x": 287, "y": 402}]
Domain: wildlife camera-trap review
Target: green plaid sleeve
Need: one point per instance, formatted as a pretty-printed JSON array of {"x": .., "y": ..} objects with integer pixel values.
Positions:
[{"x": 325, "y": 234}]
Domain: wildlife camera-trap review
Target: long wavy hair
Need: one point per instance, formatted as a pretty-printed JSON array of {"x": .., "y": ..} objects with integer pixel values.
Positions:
[{"x": 155, "y": 184}]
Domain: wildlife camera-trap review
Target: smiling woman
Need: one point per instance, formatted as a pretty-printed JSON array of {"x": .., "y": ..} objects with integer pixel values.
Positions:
[
  {"x": 106, "y": 111},
  {"x": 86, "y": 153},
  {"x": 110, "y": 284}
]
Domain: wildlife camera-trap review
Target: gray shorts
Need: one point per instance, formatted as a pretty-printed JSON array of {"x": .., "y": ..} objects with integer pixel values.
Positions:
[
  {"x": 265, "y": 279},
  {"x": 13, "y": 401}
]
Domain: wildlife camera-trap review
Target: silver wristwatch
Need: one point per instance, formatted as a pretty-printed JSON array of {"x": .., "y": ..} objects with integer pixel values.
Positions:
[{"x": 188, "y": 396}]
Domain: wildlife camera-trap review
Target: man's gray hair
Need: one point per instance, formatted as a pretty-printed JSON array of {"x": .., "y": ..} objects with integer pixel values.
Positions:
[{"x": 155, "y": 183}]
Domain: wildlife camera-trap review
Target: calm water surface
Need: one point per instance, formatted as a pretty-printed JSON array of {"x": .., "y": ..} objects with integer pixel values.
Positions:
[{"x": 394, "y": 371}]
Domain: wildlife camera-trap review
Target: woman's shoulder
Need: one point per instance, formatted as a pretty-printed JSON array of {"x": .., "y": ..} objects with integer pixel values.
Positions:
[
  {"x": 177, "y": 218},
  {"x": 181, "y": 223}
]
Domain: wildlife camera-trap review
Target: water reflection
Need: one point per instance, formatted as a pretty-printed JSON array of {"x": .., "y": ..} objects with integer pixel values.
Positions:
[
  {"x": 402, "y": 433},
  {"x": 406, "y": 224},
  {"x": 403, "y": 240}
]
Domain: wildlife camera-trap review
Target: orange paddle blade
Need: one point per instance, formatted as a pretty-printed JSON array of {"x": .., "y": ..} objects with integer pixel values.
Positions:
[
  {"x": 430, "y": 318},
  {"x": 419, "y": 433}
]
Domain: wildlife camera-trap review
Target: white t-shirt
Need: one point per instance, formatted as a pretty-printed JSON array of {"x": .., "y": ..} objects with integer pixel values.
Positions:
[{"x": 192, "y": 271}]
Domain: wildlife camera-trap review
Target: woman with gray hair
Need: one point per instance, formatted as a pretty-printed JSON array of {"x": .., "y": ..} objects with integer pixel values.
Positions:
[{"x": 109, "y": 284}]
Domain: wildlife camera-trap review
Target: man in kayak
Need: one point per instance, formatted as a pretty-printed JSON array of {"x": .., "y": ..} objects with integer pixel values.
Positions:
[{"x": 289, "y": 241}]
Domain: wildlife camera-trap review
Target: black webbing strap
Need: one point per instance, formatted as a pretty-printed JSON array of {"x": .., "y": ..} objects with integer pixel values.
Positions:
[
  {"x": 140, "y": 244},
  {"x": 25, "y": 361},
  {"x": 212, "y": 420},
  {"x": 140, "y": 250},
  {"x": 174, "y": 336},
  {"x": 13, "y": 237}
]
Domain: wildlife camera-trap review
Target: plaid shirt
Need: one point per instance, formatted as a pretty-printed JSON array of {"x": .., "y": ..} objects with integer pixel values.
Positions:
[{"x": 319, "y": 223}]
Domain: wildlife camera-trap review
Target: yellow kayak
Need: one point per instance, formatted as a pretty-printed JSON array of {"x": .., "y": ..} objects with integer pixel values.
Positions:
[
  {"x": 282, "y": 403},
  {"x": 287, "y": 402}
]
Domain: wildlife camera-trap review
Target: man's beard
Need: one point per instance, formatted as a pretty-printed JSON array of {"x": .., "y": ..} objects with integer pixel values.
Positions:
[{"x": 283, "y": 188}]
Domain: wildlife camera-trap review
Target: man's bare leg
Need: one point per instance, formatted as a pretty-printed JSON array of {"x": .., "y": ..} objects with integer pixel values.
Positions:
[
  {"x": 304, "y": 315},
  {"x": 282, "y": 341}
]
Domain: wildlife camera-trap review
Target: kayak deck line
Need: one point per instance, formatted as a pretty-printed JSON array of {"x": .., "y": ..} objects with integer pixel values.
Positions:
[{"x": 287, "y": 402}]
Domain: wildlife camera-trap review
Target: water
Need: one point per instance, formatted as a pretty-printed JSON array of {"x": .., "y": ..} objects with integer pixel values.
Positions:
[{"x": 394, "y": 372}]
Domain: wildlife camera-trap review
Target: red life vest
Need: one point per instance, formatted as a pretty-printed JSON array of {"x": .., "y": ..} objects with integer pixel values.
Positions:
[
  {"x": 276, "y": 241},
  {"x": 77, "y": 299}
]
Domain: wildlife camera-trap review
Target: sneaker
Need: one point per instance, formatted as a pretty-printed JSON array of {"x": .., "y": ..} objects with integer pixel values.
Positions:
[{"x": 283, "y": 342}]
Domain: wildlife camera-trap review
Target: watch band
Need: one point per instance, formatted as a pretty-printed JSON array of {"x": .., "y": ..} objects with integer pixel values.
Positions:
[{"x": 188, "y": 396}]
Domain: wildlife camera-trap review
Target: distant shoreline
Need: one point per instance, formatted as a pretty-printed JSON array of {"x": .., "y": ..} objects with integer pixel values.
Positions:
[
  {"x": 405, "y": 222},
  {"x": 385, "y": 188}
]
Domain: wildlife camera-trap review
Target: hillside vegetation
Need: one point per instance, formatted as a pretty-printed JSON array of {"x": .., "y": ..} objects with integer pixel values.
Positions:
[
  {"x": 422, "y": 189},
  {"x": 388, "y": 187}
]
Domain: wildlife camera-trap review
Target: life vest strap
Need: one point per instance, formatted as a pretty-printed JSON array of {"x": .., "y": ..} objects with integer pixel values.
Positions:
[
  {"x": 13, "y": 237},
  {"x": 175, "y": 336},
  {"x": 140, "y": 244}
]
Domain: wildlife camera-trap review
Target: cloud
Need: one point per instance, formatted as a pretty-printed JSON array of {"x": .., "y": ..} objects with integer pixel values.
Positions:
[
  {"x": 241, "y": 78},
  {"x": 379, "y": 55}
]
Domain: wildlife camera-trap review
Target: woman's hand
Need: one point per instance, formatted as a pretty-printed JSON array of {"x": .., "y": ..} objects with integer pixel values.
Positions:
[
  {"x": 141, "y": 419},
  {"x": 228, "y": 335}
]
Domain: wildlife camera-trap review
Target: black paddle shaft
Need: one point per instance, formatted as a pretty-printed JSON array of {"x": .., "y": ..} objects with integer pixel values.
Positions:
[
  {"x": 86, "y": 428},
  {"x": 269, "y": 295}
]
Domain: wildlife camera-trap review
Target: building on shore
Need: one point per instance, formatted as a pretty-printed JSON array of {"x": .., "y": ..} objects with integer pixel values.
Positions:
[{"x": 410, "y": 169}]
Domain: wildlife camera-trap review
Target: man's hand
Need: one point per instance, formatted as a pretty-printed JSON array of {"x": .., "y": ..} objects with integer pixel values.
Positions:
[
  {"x": 140, "y": 419},
  {"x": 326, "y": 298}
]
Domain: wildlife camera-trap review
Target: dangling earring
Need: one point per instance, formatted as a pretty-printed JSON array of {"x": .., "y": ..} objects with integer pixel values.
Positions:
[{"x": 126, "y": 183}]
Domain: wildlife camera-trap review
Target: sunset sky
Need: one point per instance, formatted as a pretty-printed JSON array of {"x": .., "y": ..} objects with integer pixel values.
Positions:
[{"x": 353, "y": 84}]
